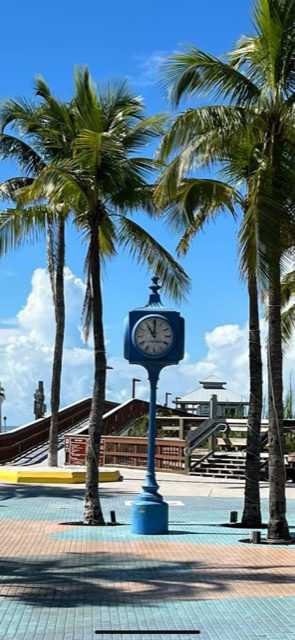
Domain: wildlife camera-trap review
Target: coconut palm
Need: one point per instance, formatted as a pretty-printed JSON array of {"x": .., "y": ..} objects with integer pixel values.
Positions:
[
  {"x": 257, "y": 80},
  {"x": 193, "y": 203},
  {"x": 42, "y": 143},
  {"x": 102, "y": 182}
]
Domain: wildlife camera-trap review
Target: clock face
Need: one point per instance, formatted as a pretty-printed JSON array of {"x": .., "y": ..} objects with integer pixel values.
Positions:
[{"x": 153, "y": 336}]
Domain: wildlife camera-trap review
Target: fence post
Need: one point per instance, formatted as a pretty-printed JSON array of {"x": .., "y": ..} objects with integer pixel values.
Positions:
[
  {"x": 181, "y": 428},
  {"x": 213, "y": 415},
  {"x": 187, "y": 459}
]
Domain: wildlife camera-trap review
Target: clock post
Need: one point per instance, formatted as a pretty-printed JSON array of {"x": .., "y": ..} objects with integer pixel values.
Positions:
[{"x": 154, "y": 338}]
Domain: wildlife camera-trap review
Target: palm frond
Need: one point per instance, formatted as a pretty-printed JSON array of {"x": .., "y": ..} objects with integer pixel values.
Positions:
[
  {"x": 134, "y": 197},
  {"x": 27, "y": 158},
  {"x": 18, "y": 227},
  {"x": 147, "y": 251},
  {"x": 145, "y": 131},
  {"x": 193, "y": 71},
  {"x": 58, "y": 183},
  {"x": 288, "y": 325},
  {"x": 10, "y": 189},
  {"x": 199, "y": 201},
  {"x": 287, "y": 288},
  {"x": 267, "y": 230},
  {"x": 107, "y": 238},
  {"x": 192, "y": 124}
]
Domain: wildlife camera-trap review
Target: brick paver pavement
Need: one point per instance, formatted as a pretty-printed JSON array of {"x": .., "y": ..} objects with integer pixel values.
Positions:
[{"x": 61, "y": 581}]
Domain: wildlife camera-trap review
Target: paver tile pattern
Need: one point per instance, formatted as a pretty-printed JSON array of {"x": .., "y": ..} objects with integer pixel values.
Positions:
[{"x": 63, "y": 581}]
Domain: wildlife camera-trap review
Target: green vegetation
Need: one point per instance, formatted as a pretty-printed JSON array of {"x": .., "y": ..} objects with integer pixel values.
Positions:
[{"x": 139, "y": 427}]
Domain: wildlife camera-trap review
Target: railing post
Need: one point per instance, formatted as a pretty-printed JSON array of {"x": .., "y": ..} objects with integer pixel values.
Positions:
[
  {"x": 187, "y": 459},
  {"x": 181, "y": 428},
  {"x": 213, "y": 415}
]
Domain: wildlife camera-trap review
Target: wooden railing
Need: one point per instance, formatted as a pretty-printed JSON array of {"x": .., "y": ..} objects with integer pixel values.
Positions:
[
  {"x": 124, "y": 414},
  {"x": 23, "y": 439},
  {"x": 132, "y": 452}
]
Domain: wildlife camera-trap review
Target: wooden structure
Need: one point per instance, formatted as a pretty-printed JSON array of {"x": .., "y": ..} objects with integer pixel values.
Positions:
[
  {"x": 14, "y": 443},
  {"x": 129, "y": 452},
  {"x": 116, "y": 417}
]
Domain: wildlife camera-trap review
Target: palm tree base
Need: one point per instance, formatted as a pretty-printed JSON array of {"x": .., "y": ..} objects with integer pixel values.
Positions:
[
  {"x": 251, "y": 523},
  {"x": 278, "y": 530},
  {"x": 52, "y": 461},
  {"x": 93, "y": 515}
]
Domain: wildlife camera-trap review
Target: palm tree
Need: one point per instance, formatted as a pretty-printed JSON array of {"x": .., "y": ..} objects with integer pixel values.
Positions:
[
  {"x": 101, "y": 183},
  {"x": 14, "y": 232},
  {"x": 44, "y": 126},
  {"x": 194, "y": 202},
  {"x": 257, "y": 80}
]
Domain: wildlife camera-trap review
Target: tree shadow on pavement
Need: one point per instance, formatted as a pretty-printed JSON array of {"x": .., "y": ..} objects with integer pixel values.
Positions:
[
  {"x": 24, "y": 491},
  {"x": 74, "y": 579},
  {"x": 77, "y": 579}
]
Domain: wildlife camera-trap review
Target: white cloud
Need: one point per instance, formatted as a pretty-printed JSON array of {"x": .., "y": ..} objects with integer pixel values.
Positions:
[
  {"x": 148, "y": 68},
  {"x": 9, "y": 321},
  {"x": 26, "y": 356},
  {"x": 26, "y": 349}
]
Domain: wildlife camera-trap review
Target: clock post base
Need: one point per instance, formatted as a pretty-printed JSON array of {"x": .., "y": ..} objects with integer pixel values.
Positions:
[{"x": 149, "y": 516}]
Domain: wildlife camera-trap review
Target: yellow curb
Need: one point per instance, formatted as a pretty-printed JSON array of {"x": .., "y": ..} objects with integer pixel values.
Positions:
[{"x": 58, "y": 477}]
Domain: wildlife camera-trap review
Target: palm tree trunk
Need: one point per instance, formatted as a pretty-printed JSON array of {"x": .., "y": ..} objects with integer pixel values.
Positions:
[
  {"x": 277, "y": 526},
  {"x": 50, "y": 258},
  {"x": 92, "y": 509},
  {"x": 252, "y": 514},
  {"x": 59, "y": 308}
]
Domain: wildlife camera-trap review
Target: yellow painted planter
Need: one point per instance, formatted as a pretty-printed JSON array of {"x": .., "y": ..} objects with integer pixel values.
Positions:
[{"x": 58, "y": 477}]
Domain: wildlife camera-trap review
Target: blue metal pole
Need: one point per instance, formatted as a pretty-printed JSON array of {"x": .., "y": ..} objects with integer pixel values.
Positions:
[
  {"x": 150, "y": 485},
  {"x": 149, "y": 511}
]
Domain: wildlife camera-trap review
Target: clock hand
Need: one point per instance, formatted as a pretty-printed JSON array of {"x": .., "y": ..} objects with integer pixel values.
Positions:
[
  {"x": 154, "y": 328},
  {"x": 150, "y": 330}
]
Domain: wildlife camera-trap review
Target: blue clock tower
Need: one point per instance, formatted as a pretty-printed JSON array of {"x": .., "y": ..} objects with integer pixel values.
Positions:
[{"x": 154, "y": 338}]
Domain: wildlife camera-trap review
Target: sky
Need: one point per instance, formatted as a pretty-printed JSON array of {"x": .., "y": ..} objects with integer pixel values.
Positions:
[{"x": 116, "y": 39}]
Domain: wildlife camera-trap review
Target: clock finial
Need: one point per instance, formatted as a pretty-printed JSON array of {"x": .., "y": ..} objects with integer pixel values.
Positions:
[{"x": 154, "y": 299}]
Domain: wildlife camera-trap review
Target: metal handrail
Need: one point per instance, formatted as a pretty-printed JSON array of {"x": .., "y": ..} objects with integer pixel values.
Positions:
[
  {"x": 198, "y": 462},
  {"x": 203, "y": 437}
]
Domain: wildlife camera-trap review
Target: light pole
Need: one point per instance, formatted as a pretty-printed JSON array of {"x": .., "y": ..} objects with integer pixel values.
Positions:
[
  {"x": 166, "y": 398},
  {"x": 134, "y": 381}
]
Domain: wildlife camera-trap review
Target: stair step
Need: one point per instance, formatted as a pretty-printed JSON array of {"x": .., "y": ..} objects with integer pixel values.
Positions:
[
  {"x": 231, "y": 465},
  {"x": 219, "y": 475},
  {"x": 222, "y": 474}
]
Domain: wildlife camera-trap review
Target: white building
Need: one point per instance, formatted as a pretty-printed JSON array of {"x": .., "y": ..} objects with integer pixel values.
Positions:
[{"x": 230, "y": 404}]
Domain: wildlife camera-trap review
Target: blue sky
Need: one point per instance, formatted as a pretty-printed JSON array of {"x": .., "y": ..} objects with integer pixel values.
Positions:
[{"x": 124, "y": 39}]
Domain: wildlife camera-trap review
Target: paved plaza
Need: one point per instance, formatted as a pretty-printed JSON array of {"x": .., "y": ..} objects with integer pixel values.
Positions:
[{"x": 61, "y": 581}]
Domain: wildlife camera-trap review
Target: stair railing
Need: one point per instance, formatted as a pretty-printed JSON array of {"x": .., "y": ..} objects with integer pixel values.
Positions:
[{"x": 196, "y": 463}]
